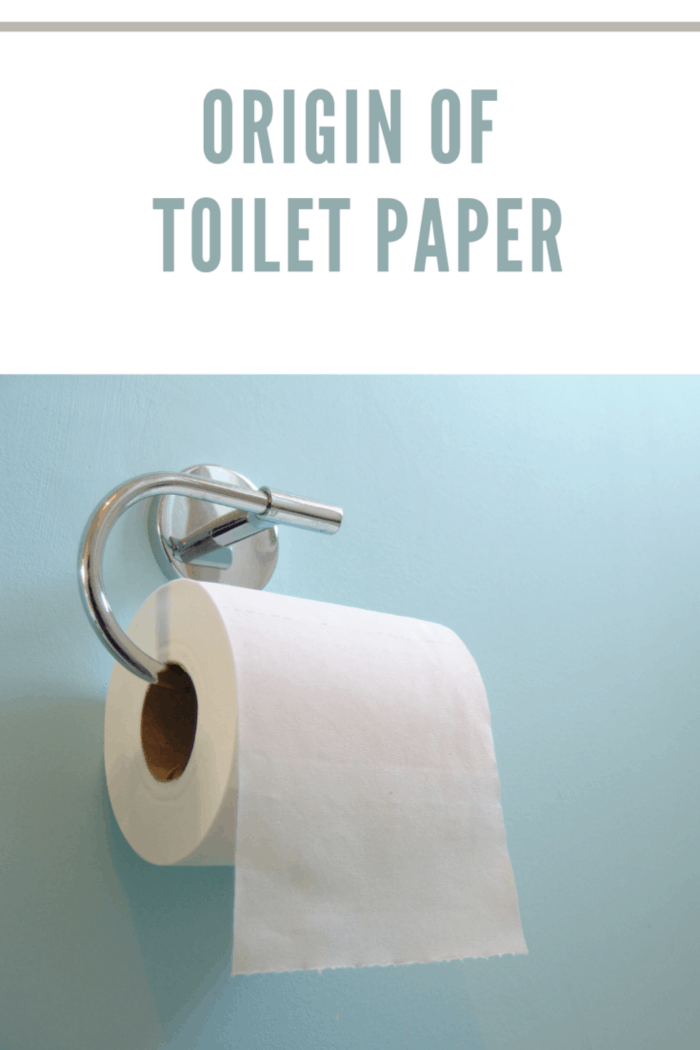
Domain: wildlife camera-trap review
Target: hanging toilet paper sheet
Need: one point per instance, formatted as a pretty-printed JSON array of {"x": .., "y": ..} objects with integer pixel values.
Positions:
[{"x": 341, "y": 759}]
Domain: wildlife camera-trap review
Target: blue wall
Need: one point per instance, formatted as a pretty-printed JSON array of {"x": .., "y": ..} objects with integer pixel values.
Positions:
[{"x": 553, "y": 523}]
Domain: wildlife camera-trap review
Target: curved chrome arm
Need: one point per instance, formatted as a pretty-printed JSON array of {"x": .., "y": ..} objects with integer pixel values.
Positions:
[{"x": 263, "y": 504}]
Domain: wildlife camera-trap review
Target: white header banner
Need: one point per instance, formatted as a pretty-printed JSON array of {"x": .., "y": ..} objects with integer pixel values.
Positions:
[{"x": 349, "y": 202}]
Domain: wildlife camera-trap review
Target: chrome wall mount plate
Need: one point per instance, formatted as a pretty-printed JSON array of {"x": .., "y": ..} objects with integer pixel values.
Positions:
[{"x": 247, "y": 562}]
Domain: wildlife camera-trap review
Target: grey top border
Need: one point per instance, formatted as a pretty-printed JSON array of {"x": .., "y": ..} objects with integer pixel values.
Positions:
[{"x": 349, "y": 27}]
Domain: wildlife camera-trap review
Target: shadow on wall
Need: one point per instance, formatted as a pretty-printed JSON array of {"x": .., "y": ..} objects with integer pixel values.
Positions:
[{"x": 100, "y": 949}]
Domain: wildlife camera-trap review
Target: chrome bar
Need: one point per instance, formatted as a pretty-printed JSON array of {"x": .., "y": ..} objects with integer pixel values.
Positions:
[
  {"x": 281, "y": 509},
  {"x": 263, "y": 508},
  {"x": 303, "y": 513},
  {"x": 223, "y": 531}
]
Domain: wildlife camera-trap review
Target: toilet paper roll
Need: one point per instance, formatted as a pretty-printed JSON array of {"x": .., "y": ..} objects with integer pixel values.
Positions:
[{"x": 341, "y": 759}]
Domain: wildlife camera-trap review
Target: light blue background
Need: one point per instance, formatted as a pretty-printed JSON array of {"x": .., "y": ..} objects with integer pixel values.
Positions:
[{"x": 553, "y": 523}]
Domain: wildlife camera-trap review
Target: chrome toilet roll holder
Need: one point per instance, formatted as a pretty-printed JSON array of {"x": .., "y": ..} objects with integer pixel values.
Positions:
[{"x": 207, "y": 523}]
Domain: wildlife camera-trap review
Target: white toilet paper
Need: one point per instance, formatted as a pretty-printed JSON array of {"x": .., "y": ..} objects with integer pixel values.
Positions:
[{"x": 343, "y": 761}]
